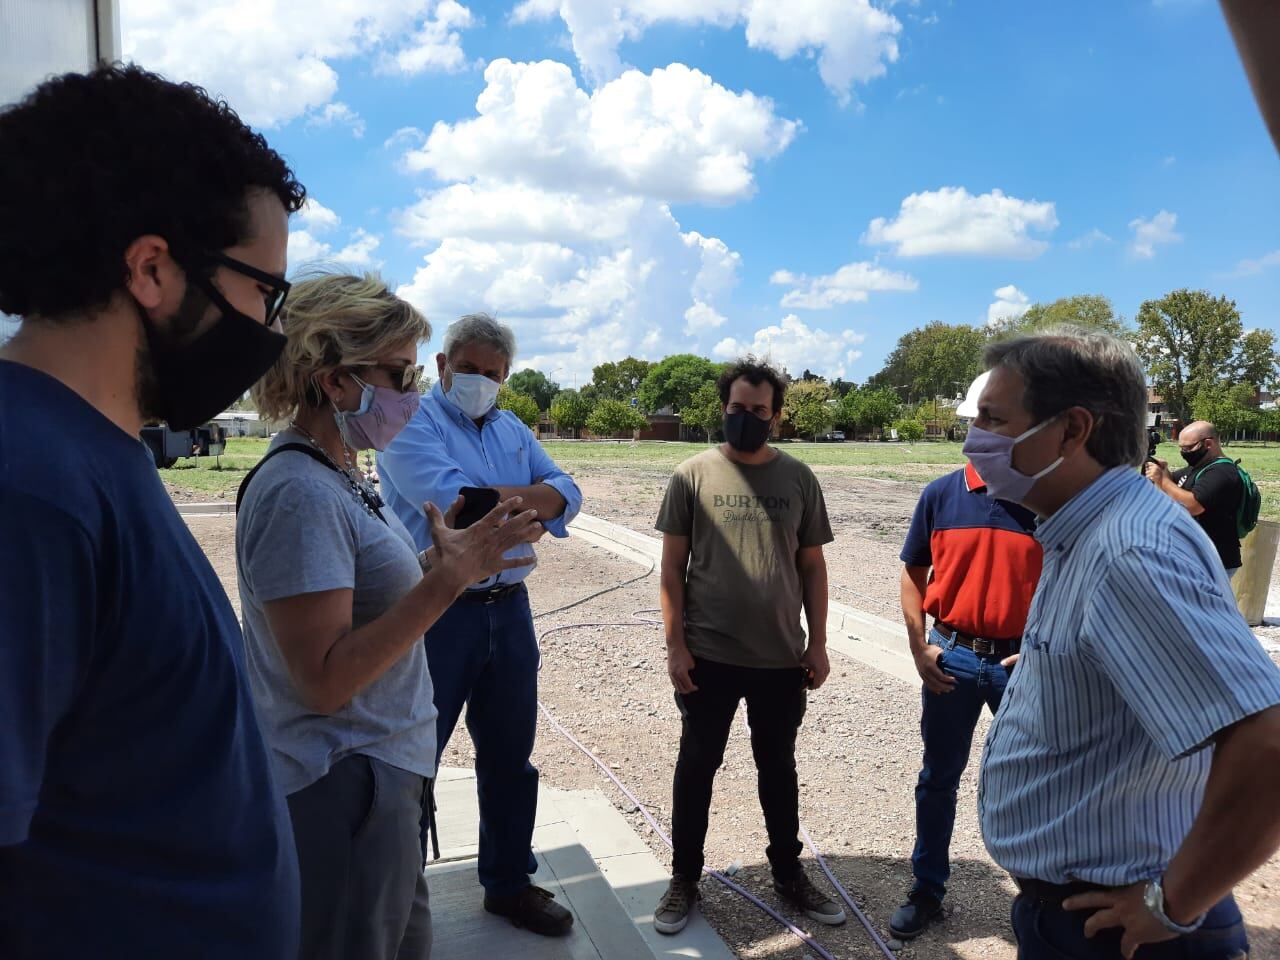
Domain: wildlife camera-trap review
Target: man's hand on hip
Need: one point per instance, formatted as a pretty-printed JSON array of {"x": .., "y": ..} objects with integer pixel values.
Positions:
[
  {"x": 1124, "y": 907},
  {"x": 679, "y": 663},
  {"x": 817, "y": 664},
  {"x": 933, "y": 676}
]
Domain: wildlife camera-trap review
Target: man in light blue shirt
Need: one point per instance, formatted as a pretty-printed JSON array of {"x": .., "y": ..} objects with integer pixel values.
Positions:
[
  {"x": 1132, "y": 775},
  {"x": 483, "y": 652}
]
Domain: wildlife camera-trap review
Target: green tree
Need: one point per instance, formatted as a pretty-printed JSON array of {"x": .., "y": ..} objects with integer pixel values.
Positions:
[
  {"x": 936, "y": 358},
  {"x": 911, "y": 431},
  {"x": 842, "y": 387},
  {"x": 536, "y": 384},
  {"x": 1229, "y": 407},
  {"x": 570, "y": 410},
  {"x": 868, "y": 409},
  {"x": 526, "y": 408},
  {"x": 620, "y": 380},
  {"x": 704, "y": 411},
  {"x": 1189, "y": 340},
  {"x": 1256, "y": 359},
  {"x": 673, "y": 382},
  {"x": 808, "y": 407},
  {"x": 1089, "y": 310},
  {"x": 612, "y": 417}
]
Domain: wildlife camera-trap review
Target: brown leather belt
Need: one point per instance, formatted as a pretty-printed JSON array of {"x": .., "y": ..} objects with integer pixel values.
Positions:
[{"x": 983, "y": 646}]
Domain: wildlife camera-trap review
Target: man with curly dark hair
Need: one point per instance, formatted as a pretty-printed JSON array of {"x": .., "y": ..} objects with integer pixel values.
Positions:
[
  {"x": 143, "y": 231},
  {"x": 743, "y": 527}
]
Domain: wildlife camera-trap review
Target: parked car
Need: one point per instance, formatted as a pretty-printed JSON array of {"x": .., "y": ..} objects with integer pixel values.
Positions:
[{"x": 833, "y": 436}]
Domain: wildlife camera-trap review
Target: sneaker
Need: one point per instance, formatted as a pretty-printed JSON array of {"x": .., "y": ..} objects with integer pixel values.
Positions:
[
  {"x": 534, "y": 909},
  {"x": 673, "y": 909},
  {"x": 816, "y": 905},
  {"x": 911, "y": 919}
]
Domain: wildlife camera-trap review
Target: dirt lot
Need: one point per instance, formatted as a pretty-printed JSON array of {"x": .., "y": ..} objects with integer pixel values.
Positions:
[{"x": 858, "y": 750}]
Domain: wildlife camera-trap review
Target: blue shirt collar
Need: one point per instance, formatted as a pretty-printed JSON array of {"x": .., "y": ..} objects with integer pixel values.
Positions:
[
  {"x": 448, "y": 406},
  {"x": 1060, "y": 531}
]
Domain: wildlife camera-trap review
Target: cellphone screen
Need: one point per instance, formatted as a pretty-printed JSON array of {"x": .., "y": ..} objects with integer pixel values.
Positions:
[{"x": 477, "y": 501}]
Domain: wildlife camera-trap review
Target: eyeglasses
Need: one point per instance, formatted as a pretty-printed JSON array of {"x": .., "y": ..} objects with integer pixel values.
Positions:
[
  {"x": 1198, "y": 445},
  {"x": 406, "y": 376},
  {"x": 279, "y": 288}
]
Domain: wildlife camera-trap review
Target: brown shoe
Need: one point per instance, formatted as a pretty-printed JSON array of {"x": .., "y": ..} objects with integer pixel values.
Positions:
[{"x": 534, "y": 909}]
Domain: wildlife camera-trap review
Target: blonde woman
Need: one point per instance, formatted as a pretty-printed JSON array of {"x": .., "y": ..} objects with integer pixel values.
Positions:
[{"x": 336, "y": 602}]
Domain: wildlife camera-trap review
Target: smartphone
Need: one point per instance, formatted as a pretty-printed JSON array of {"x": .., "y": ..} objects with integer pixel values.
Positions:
[{"x": 476, "y": 502}]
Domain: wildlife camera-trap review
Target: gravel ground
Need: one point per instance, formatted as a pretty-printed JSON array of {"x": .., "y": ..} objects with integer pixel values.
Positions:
[{"x": 858, "y": 750}]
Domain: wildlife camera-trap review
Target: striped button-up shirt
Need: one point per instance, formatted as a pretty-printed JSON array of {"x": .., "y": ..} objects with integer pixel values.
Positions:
[{"x": 1133, "y": 658}]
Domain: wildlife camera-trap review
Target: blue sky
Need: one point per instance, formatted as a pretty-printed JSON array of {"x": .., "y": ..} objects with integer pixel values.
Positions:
[{"x": 809, "y": 180}]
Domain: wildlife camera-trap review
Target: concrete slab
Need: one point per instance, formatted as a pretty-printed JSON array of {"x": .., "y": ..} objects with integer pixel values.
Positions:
[{"x": 588, "y": 855}]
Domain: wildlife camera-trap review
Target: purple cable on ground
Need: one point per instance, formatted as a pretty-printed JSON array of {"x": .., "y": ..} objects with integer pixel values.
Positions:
[
  {"x": 844, "y": 895},
  {"x": 657, "y": 828}
]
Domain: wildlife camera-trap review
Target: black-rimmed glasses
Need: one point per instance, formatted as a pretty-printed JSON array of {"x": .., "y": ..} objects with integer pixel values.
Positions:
[{"x": 279, "y": 288}]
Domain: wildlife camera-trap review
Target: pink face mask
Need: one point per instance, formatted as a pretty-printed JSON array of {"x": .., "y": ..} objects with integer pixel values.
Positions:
[{"x": 383, "y": 413}]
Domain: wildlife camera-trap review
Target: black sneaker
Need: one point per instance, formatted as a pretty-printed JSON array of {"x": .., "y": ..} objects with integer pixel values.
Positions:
[
  {"x": 911, "y": 919},
  {"x": 801, "y": 892},
  {"x": 673, "y": 909},
  {"x": 534, "y": 909}
]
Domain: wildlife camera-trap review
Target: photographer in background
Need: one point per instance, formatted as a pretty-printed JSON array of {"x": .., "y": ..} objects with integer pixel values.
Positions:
[{"x": 1210, "y": 488}]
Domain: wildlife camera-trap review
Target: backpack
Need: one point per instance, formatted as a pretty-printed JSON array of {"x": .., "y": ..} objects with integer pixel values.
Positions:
[{"x": 1250, "y": 498}]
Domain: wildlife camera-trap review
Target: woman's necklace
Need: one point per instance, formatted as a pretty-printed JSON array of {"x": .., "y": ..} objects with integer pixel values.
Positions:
[{"x": 361, "y": 488}]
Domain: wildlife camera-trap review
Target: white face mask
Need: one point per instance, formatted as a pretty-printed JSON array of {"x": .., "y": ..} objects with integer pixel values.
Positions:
[{"x": 472, "y": 393}]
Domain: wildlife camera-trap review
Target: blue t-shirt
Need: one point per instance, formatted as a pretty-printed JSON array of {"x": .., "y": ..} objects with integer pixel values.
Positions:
[{"x": 138, "y": 815}]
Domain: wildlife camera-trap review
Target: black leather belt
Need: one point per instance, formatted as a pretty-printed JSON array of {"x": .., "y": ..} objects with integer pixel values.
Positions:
[
  {"x": 493, "y": 594},
  {"x": 1054, "y": 892},
  {"x": 983, "y": 646}
]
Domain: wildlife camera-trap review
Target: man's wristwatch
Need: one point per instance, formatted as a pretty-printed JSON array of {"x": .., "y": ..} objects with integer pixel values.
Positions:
[{"x": 1153, "y": 897}]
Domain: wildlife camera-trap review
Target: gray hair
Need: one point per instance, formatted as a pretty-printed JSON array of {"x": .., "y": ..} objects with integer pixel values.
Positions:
[
  {"x": 480, "y": 328},
  {"x": 1068, "y": 366}
]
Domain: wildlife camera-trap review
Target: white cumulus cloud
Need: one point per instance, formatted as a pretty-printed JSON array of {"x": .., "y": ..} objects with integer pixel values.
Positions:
[
  {"x": 555, "y": 209},
  {"x": 337, "y": 113},
  {"x": 794, "y": 346},
  {"x": 852, "y": 41},
  {"x": 306, "y": 247},
  {"x": 1250, "y": 268},
  {"x": 852, "y": 283},
  {"x": 1090, "y": 239},
  {"x": 954, "y": 221},
  {"x": 1010, "y": 304},
  {"x": 674, "y": 134},
  {"x": 702, "y": 317},
  {"x": 1159, "y": 231},
  {"x": 272, "y": 60}
]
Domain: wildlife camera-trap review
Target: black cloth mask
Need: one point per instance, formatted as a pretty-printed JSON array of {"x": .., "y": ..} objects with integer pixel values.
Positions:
[
  {"x": 745, "y": 431},
  {"x": 1194, "y": 457},
  {"x": 197, "y": 380}
]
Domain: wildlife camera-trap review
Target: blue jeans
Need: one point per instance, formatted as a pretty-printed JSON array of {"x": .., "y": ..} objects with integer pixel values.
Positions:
[
  {"x": 486, "y": 656},
  {"x": 947, "y": 722},
  {"x": 1045, "y": 931}
]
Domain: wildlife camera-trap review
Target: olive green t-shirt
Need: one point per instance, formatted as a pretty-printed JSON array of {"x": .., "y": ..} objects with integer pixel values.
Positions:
[{"x": 745, "y": 524}]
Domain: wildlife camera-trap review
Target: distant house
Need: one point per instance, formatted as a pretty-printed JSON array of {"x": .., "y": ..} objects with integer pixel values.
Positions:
[{"x": 246, "y": 423}]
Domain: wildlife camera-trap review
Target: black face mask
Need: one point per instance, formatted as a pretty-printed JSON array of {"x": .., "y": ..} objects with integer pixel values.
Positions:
[
  {"x": 195, "y": 381},
  {"x": 745, "y": 431},
  {"x": 1193, "y": 457}
]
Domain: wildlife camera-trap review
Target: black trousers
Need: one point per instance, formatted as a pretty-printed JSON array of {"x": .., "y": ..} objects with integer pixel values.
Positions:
[{"x": 776, "y": 702}]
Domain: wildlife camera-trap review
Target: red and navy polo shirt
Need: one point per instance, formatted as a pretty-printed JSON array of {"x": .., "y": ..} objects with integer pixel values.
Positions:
[{"x": 984, "y": 554}]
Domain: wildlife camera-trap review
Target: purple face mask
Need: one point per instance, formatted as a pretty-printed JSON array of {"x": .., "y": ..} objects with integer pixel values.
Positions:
[
  {"x": 383, "y": 413},
  {"x": 992, "y": 456}
]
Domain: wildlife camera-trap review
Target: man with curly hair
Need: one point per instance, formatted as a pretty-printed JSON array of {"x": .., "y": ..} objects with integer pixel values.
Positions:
[{"x": 143, "y": 231}]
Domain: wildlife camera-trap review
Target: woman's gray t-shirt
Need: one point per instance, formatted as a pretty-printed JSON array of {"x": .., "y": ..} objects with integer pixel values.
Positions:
[{"x": 301, "y": 530}]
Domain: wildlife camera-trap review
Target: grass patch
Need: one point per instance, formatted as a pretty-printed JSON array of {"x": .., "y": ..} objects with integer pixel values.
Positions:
[{"x": 210, "y": 478}]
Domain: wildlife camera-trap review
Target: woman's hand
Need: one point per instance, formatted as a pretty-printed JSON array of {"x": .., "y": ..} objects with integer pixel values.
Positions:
[{"x": 476, "y": 553}]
